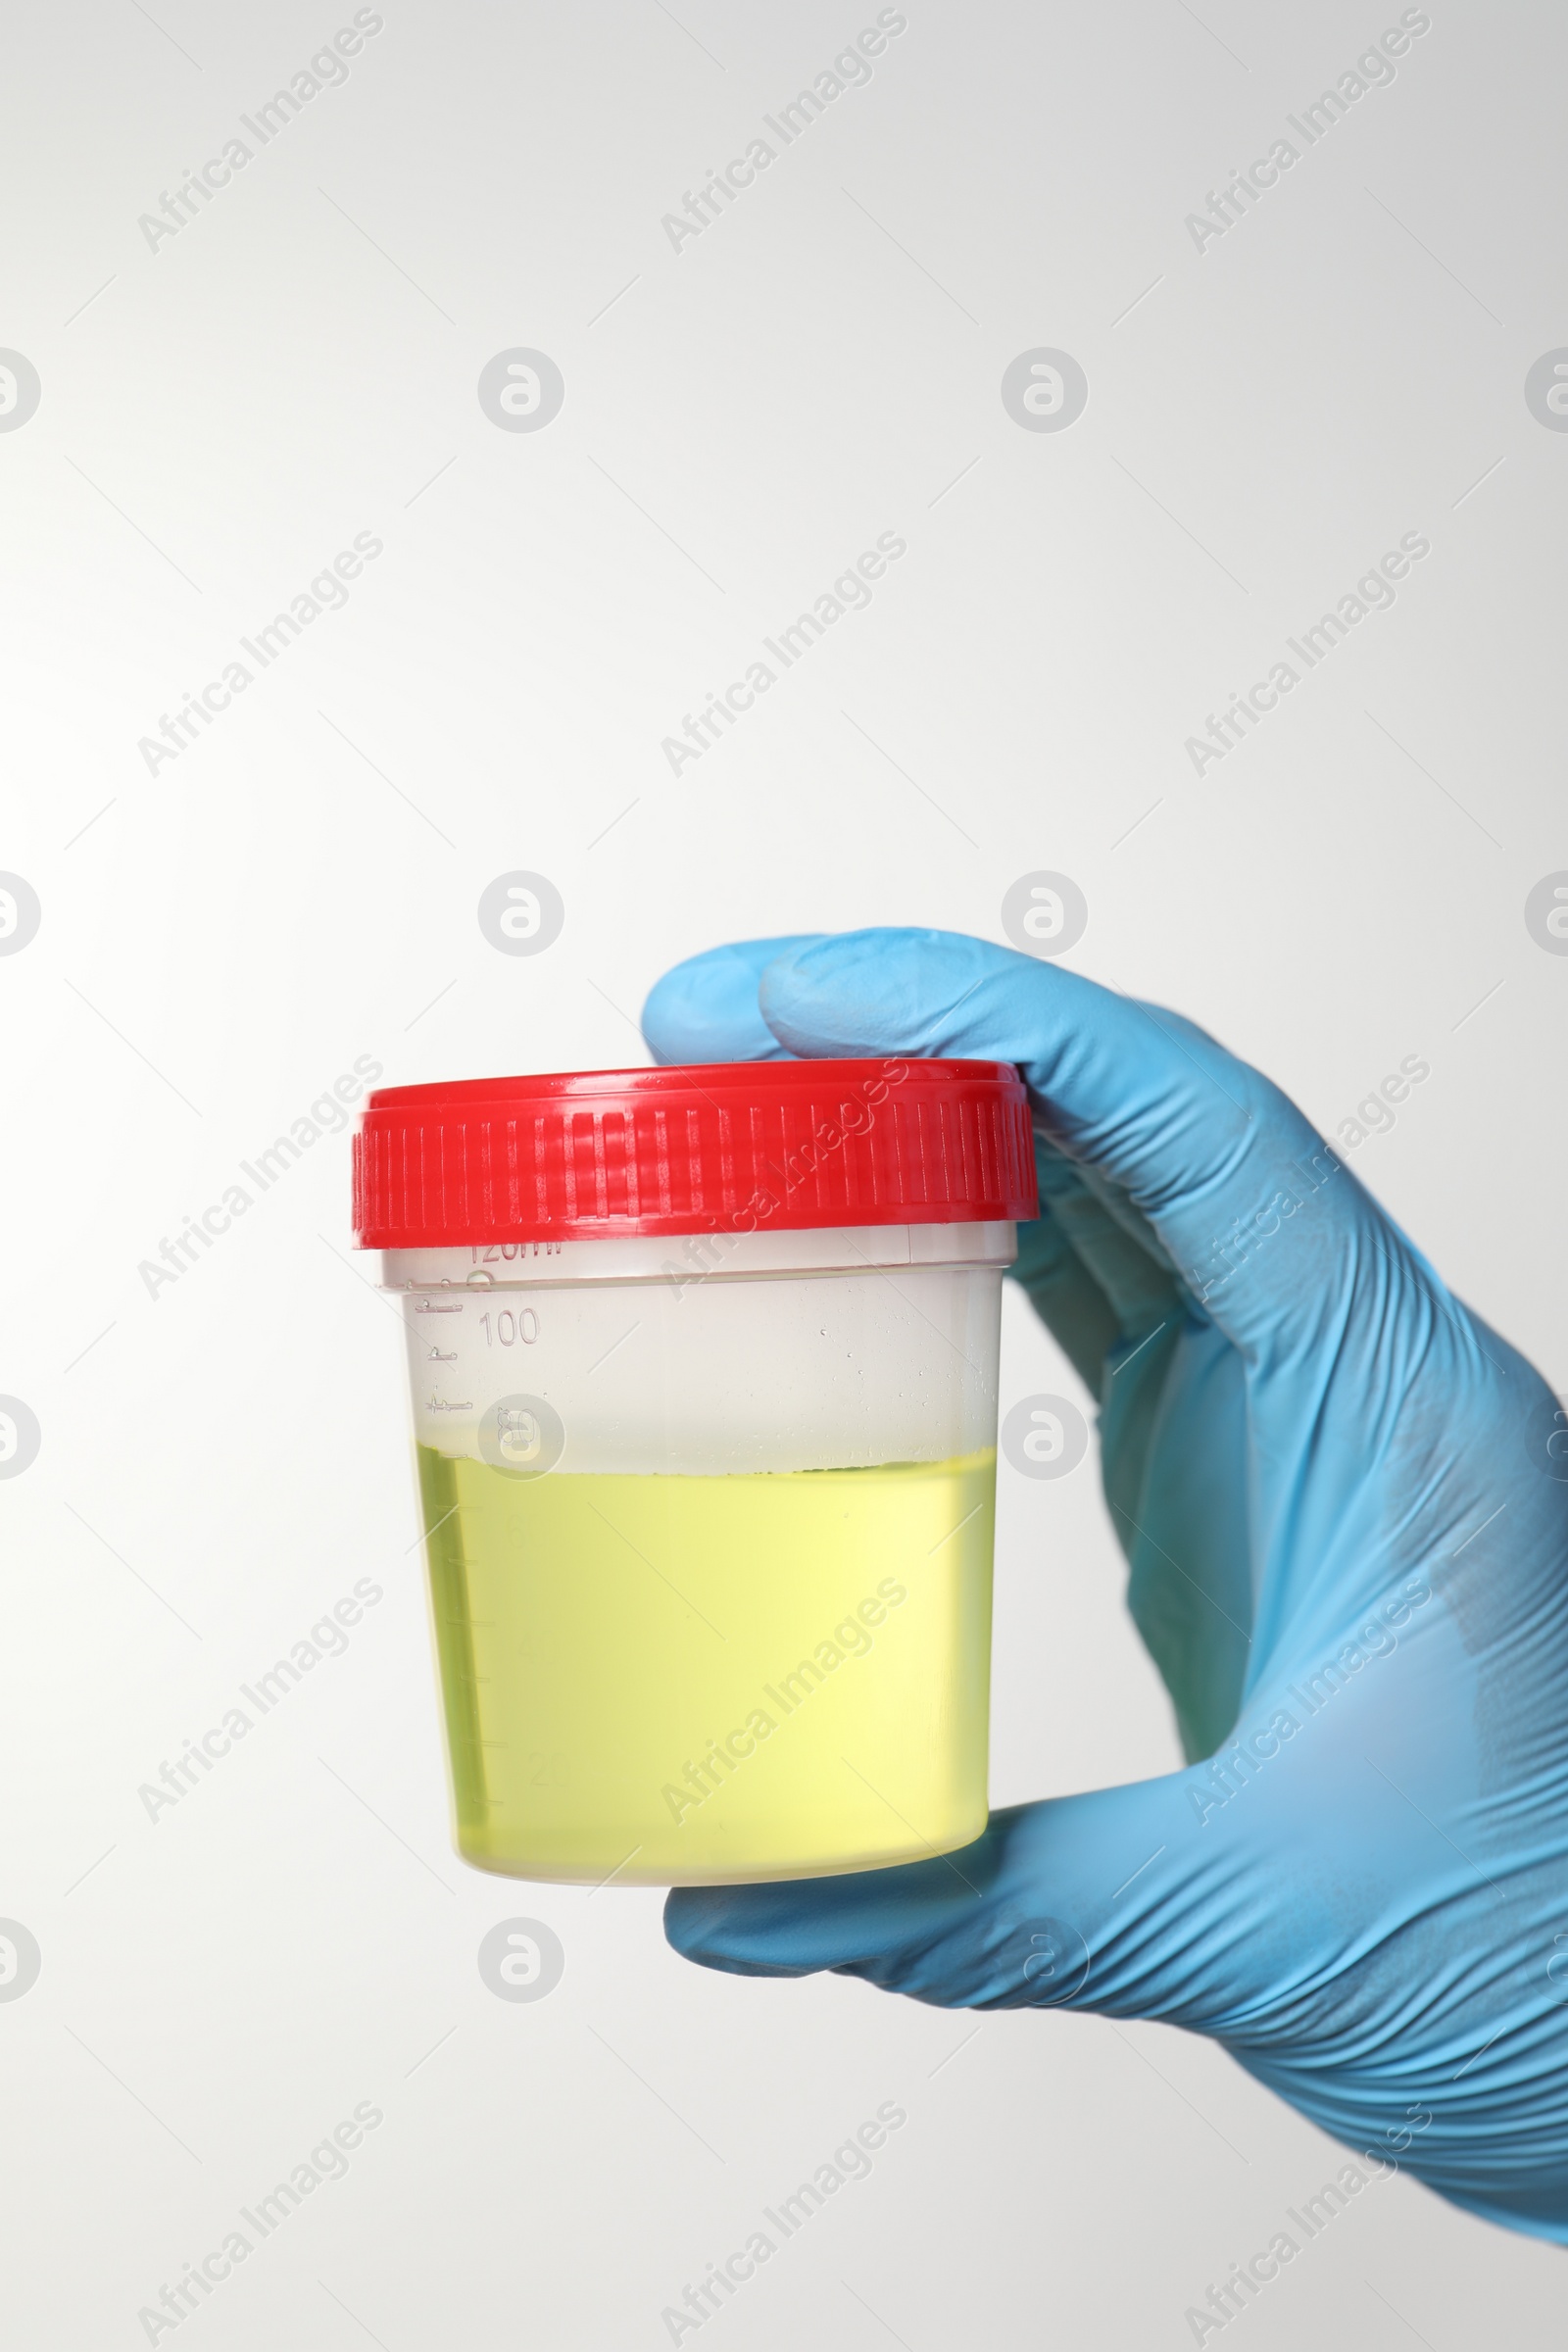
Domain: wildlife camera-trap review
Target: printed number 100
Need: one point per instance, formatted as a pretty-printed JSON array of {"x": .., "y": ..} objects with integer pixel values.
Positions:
[{"x": 511, "y": 1328}]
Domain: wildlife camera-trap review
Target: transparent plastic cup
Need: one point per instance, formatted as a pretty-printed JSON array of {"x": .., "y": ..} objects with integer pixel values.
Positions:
[{"x": 708, "y": 1511}]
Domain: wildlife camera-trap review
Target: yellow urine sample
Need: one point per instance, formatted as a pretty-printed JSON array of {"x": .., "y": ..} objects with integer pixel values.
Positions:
[{"x": 686, "y": 1681}]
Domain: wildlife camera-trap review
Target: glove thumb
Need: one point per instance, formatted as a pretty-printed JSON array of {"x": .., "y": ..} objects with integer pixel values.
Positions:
[{"x": 1138, "y": 1902}]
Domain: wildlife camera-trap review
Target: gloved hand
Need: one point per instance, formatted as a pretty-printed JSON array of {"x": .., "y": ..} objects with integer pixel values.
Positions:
[{"x": 1342, "y": 1499}]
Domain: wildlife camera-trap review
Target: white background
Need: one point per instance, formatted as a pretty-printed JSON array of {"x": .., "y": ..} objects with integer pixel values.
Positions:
[{"x": 219, "y": 416}]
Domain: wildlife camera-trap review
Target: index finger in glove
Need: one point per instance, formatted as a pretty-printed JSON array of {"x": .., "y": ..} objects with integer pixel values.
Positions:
[{"x": 1227, "y": 1170}]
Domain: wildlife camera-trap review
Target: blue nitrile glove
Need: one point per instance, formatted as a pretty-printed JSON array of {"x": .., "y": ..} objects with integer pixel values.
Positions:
[{"x": 1342, "y": 1496}]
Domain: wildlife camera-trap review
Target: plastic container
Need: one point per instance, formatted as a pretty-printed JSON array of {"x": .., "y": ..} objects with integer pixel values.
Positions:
[{"x": 704, "y": 1373}]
